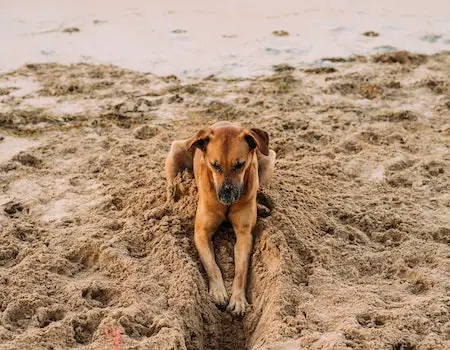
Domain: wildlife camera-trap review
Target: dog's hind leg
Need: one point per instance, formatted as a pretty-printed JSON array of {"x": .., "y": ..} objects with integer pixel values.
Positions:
[
  {"x": 179, "y": 158},
  {"x": 266, "y": 167}
]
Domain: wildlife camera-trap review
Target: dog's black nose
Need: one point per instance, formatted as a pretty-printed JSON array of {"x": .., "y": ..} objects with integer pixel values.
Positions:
[{"x": 228, "y": 193}]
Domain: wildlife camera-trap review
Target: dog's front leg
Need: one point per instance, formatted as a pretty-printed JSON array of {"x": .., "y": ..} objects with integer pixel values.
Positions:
[
  {"x": 206, "y": 223},
  {"x": 243, "y": 222}
]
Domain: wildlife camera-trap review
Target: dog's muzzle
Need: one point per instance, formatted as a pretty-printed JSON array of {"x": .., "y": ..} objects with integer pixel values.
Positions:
[{"x": 228, "y": 193}]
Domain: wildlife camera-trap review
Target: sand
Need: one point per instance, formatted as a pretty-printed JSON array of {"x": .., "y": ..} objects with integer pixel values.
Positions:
[
  {"x": 352, "y": 244},
  {"x": 202, "y": 37}
]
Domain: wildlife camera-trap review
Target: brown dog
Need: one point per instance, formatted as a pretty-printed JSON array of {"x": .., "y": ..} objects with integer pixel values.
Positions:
[{"x": 230, "y": 162}]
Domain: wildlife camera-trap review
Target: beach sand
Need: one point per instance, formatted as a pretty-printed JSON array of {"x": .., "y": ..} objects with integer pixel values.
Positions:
[
  {"x": 352, "y": 245},
  {"x": 231, "y": 38}
]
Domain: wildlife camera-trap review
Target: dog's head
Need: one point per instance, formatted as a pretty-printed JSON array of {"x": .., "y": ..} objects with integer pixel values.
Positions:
[{"x": 228, "y": 151}]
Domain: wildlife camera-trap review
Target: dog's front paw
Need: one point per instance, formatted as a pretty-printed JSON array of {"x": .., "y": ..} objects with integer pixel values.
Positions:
[
  {"x": 238, "y": 304},
  {"x": 219, "y": 294}
]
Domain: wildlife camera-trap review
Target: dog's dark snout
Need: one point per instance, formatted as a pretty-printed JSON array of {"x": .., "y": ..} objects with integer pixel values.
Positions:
[
  {"x": 227, "y": 188},
  {"x": 228, "y": 193}
]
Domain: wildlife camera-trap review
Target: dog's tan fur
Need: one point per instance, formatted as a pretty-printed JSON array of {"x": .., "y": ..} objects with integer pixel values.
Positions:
[{"x": 217, "y": 156}]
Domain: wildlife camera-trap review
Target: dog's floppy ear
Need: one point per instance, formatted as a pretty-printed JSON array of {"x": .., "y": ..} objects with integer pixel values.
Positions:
[
  {"x": 257, "y": 138},
  {"x": 200, "y": 140}
]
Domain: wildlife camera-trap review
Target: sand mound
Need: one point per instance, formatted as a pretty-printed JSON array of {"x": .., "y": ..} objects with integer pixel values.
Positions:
[{"x": 352, "y": 244}]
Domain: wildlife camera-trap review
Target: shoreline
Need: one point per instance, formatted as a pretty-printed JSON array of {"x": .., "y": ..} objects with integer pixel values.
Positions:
[{"x": 243, "y": 39}]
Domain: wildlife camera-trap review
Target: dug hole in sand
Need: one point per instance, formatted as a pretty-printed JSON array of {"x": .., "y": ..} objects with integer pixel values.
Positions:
[{"x": 352, "y": 244}]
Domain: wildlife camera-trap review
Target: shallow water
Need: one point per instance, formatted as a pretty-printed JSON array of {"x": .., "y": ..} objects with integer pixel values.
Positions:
[{"x": 232, "y": 38}]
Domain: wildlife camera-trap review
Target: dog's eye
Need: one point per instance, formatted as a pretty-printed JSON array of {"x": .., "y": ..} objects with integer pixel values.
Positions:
[
  {"x": 216, "y": 167},
  {"x": 238, "y": 166}
]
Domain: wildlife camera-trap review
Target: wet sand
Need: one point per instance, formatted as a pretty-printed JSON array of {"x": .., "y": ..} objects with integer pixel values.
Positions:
[
  {"x": 232, "y": 38},
  {"x": 352, "y": 246}
]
